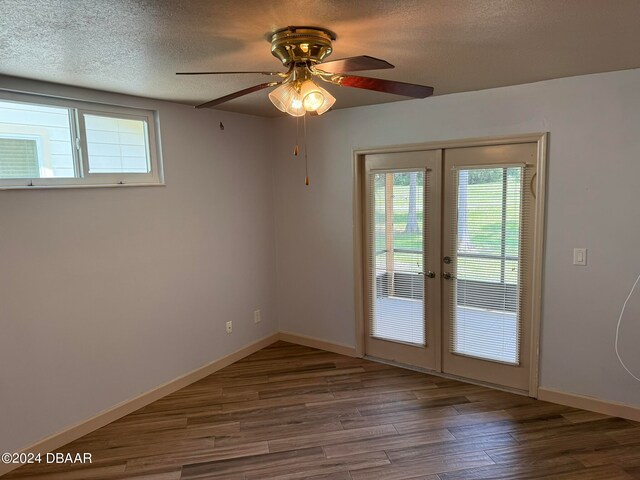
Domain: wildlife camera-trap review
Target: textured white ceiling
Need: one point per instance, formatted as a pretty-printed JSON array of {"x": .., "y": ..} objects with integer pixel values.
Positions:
[{"x": 136, "y": 46}]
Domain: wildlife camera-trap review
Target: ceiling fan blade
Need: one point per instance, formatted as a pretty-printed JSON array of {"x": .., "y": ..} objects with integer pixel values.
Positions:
[
  {"x": 387, "y": 86},
  {"x": 225, "y": 73},
  {"x": 354, "y": 64},
  {"x": 237, "y": 94}
]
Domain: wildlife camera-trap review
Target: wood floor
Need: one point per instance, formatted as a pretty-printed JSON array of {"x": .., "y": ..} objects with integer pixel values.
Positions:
[{"x": 292, "y": 412}]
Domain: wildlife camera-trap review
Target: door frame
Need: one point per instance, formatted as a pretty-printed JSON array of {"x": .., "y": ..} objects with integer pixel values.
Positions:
[{"x": 359, "y": 233}]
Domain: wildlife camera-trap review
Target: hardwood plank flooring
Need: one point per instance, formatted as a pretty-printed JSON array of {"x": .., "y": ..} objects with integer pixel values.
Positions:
[{"x": 290, "y": 412}]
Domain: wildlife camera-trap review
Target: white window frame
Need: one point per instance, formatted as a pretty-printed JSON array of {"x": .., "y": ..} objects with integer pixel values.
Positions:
[{"x": 83, "y": 179}]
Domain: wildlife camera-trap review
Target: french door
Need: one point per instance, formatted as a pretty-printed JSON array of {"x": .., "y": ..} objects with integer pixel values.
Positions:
[
  {"x": 448, "y": 254},
  {"x": 402, "y": 250}
]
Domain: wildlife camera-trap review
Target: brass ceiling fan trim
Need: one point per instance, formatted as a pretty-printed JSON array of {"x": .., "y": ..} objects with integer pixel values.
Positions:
[{"x": 309, "y": 45}]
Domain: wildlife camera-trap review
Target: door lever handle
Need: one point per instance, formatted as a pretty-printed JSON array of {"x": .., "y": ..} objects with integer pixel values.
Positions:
[
  {"x": 448, "y": 276},
  {"x": 429, "y": 274}
]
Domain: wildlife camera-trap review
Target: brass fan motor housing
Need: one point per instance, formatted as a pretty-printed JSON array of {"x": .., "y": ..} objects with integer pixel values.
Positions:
[{"x": 302, "y": 44}]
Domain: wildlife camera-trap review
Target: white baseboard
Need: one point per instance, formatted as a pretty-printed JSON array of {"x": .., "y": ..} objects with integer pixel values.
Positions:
[
  {"x": 317, "y": 343},
  {"x": 593, "y": 404},
  {"x": 61, "y": 438}
]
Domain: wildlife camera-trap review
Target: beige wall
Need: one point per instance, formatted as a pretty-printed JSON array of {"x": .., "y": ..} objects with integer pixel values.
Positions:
[
  {"x": 593, "y": 202},
  {"x": 106, "y": 293}
]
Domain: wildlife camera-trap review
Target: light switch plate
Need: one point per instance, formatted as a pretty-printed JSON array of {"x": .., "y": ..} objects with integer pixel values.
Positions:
[{"x": 580, "y": 256}]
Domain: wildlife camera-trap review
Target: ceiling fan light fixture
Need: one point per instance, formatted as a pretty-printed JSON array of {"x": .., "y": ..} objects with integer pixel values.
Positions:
[{"x": 298, "y": 97}]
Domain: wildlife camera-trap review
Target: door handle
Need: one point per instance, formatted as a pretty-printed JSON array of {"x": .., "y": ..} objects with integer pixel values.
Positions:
[
  {"x": 448, "y": 276},
  {"x": 428, "y": 274}
]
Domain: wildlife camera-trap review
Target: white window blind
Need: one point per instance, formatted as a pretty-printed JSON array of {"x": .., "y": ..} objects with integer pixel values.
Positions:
[
  {"x": 489, "y": 265},
  {"x": 397, "y": 255},
  {"x": 18, "y": 158}
]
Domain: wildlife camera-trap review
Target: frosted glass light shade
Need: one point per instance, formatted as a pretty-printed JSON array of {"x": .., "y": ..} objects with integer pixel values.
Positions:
[
  {"x": 312, "y": 97},
  {"x": 287, "y": 99},
  {"x": 278, "y": 97},
  {"x": 329, "y": 100}
]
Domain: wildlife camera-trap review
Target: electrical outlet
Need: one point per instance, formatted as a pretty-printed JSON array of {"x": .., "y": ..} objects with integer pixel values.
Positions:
[
  {"x": 229, "y": 327},
  {"x": 256, "y": 316}
]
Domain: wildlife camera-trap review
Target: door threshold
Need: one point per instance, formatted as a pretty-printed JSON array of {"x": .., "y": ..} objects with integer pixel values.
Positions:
[{"x": 449, "y": 376}]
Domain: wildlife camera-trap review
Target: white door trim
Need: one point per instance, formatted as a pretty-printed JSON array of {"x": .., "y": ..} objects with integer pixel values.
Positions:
[{"x": 541, "y": 139}]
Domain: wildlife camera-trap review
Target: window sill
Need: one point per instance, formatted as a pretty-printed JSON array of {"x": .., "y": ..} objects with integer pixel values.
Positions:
[{"x": 86, "y": 185}]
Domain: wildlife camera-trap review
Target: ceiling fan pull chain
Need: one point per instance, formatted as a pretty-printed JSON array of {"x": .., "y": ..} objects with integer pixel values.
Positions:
[
  {"x": 306, "y": 162},
  {"x": 295, "y": 149}
]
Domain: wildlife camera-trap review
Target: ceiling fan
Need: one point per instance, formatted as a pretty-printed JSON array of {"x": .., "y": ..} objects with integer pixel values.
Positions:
[{"x": 302, "y": 50}]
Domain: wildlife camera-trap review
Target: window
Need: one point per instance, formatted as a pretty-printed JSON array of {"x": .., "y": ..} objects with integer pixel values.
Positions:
[{"x": 47, "y": 142}]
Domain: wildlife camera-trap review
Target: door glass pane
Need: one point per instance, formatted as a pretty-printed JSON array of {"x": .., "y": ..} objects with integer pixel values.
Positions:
[
  {"x": 486, "y": 296},
  {"x": 398, "y": 258}
]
